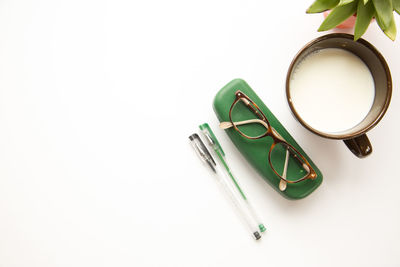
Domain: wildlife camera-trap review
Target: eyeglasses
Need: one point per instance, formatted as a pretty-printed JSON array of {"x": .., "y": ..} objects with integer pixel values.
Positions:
[{"x": 249, "y": 121}]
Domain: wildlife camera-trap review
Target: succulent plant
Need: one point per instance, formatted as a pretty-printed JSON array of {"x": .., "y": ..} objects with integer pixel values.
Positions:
[{"x": 365, "y": 11}]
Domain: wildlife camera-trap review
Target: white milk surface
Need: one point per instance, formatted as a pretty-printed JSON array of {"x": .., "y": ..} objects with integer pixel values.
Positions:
[{"x": 332, "y": 90}]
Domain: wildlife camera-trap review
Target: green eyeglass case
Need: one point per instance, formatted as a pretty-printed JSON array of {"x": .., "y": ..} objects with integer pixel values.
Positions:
[{"x": 256, "y": 151}]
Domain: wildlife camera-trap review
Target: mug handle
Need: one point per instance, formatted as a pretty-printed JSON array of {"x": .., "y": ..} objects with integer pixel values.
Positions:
[{"x": 360, "y": 146}]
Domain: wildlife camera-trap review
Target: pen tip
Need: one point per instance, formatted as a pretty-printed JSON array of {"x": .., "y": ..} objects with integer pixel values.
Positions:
[{"x": 257, "y": 235}]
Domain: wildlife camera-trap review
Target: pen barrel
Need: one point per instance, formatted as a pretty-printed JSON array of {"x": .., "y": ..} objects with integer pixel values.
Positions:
[
  {"x": 239, "y": 203},
  {"x": 253, "y": 214}
]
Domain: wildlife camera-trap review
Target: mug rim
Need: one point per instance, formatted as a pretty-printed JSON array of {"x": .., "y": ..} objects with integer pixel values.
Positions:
[{"x": 345, "y": 135}]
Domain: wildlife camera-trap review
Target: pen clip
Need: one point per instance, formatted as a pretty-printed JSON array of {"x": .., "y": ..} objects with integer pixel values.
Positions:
[
  {"x": 212, "y": 140},
  {"x": 202, "y": 151}
]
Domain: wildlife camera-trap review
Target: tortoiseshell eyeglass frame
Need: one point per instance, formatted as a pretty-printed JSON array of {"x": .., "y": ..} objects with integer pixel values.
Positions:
[{"x": 270, "y": 132}]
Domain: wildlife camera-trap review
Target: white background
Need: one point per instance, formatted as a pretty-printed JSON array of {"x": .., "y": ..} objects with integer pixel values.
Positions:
[{"x": 97, "y": 100}]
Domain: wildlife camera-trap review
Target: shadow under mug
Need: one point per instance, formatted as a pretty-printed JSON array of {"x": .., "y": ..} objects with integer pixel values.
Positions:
[{"x": 355, "y": 138}]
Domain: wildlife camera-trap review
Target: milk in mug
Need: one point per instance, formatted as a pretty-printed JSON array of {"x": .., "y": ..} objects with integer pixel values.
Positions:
[{"x": 332, "y": 90}]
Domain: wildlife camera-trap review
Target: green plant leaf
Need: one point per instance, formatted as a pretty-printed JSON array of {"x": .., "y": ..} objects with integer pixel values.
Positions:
[
  {"x": 396, "y": 6},
  {"x": 322, "y": 5},
  {"x": 384, "y": 11},
  {"x": 337, "y": 16},
  {"x": 390, "y": 31},
  {"x": 365, "y": 2},
  {"x": 344, "y": 2},
  {"x": 364, "y": 17}
]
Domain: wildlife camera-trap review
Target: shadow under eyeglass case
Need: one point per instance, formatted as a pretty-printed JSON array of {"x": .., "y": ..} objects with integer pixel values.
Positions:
[{"x": 256, "y": 151}]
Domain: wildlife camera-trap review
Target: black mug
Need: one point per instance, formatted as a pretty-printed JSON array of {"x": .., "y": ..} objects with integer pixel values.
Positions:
[{"x": 355, "y": 138}]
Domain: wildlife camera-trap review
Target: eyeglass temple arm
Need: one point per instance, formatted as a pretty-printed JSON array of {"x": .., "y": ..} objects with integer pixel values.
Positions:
[
  {"x": 227, "y": 124},
  {"x": 283, "y": 183}
]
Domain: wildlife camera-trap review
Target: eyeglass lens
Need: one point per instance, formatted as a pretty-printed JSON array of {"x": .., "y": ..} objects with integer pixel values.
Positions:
[
  {"x": 242, "y": 112},
  {"x": 296, "y": 169}
]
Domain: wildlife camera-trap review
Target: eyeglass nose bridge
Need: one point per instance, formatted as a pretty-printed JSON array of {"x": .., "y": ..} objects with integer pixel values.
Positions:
[{"x": 277, "y": 135}]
